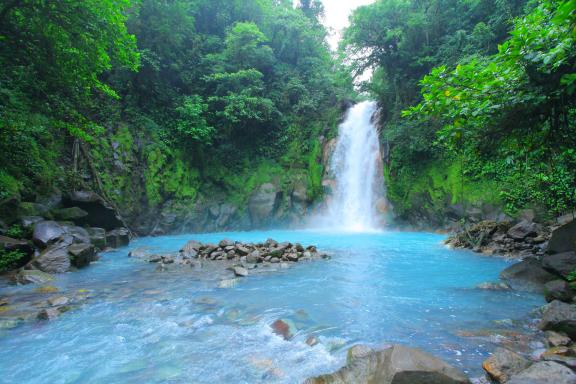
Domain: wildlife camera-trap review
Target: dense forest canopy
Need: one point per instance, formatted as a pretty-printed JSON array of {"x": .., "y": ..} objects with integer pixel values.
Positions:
[
  {"x": 153, "y": 103},
  {"x": 205, "y": 87}
]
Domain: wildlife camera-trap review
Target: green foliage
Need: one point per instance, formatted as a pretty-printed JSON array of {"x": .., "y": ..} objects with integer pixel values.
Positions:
[
  {"x": 10, "y": 259},
  {"x": 15, "y": 231},
  {"x": 192, "y": 124},
  {"x": 497, "y": 97},
  {"x": 522, "y": 97}
]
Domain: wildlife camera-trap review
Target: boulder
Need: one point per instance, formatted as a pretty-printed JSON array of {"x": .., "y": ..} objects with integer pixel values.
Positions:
[
  {"x": 503, "y": 364},
  {"x": 118, "y": 238},
  {"x": 33, "y": 276},
  {"x": 395, "y": 365},
  {"x": 81, "y": 255},
  {"x": 262, "y": 204},
  {"x": 253, "y": 257},
  {"x": 226, "y": 243},
  {"x": 559, "y": 317},
  {"x": 240, "y": 271},
  {"x": 560, "y": 263},
  {"x": 545, "y": 372},
  {"x": 99, "y": 213},
  {"x": 46, "y": 233},
  {"x": 563, "y": 238},
  {"x": 558, "y": 290},
  {"x": 527, "y": 275},
  {"x": 79, "y": 234},
  {"x": 97, "y": 237},
  {"x": 523, "y": 230},
  {"x": 55, "y": 258}
]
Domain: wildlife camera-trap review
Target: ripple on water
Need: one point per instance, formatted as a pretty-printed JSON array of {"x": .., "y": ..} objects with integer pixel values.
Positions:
[{"x": 176, "y": 326}]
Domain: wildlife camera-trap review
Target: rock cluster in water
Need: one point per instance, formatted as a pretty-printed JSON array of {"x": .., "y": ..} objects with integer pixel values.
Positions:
[
  {"x": 245, "y": 256},
  {"x": 547, "y": 354}
]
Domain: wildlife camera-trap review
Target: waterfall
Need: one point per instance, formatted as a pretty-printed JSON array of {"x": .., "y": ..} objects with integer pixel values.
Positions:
[{"x": 356, "y": 167}]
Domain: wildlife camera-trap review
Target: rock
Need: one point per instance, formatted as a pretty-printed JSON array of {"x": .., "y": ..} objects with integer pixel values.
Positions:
[
  {"x": 48, "y": 314},
  {"x": 55, "y": 258},
  {"x": 262, "y": 204},
  {"x": 395, "y": 365},
  {"x": 226, "y": 243},
  {"x": 527, "y": 275},
  {"x": 284, "y": 328},
  {"x": 271, "y": 243},
  {"x": 559, "y": 317},
  {"x": 118, "y": 238},
  {"x": 79, "y": 234},
  {"x": 190, "y": 249},
  {"x": 240, "y": 271},
  {"x": 242, "y": 250},
  {"x": 358, "y": 352},
  {"x": 523, "y": 230},
  {"x": 545, "y": 372},
  {"x": 99, "y": 213},
  {"x": 560, "y": 351},
  {"x": 73, "y": 214},
  {"x": 58, "y": 301},
  {"x": 560, "y": 263},
  {"x": 503, "y": 364},
  {"x": 33, "y": 276},
  {"x": 566, "y": 361},
  {"x": 97, "y": 237},
  {"x": 558, "y": 290},
  {"x": 11, "y": 244},
  {"x": 46, "y": 233},
  {"x": 312, "y": 341},
  {"x": 82, "y": 255},
  {"x": 563, "y": 238},
  {"x": 253, "y": 257},
  {"x": 556, "y": 339}
]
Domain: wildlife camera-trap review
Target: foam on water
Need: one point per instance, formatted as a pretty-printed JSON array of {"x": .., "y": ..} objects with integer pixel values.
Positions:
[{"x": 176, "y": 326}]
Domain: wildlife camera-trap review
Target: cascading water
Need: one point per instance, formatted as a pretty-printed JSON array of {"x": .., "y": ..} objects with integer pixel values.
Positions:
[{"x": 357, "y": 170}]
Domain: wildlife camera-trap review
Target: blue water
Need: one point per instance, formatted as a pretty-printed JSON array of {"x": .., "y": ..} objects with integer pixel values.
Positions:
[{"x": 176, "y": 326}]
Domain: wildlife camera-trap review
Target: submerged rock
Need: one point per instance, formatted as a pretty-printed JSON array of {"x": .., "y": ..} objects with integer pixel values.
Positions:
[
  {"x": 284, "y": 328},
  {"x": 395, "y": 365},
  {"x": 33, "y": 276}
]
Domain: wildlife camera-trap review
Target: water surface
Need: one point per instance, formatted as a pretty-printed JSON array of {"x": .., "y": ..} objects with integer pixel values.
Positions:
[{"x": 176, "y": 326}]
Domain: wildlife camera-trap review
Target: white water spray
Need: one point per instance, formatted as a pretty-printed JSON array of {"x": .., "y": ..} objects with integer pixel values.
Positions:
[{"x": 357, "y": 169}]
